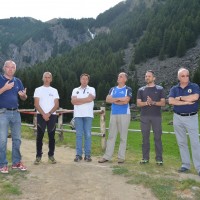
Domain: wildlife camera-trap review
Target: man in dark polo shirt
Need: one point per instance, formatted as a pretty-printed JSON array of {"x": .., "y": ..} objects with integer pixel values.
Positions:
[
  {"x": 184, "y": 97},
  {"x": 11, "y": 89},
  {"x": 150, "y": 98}
]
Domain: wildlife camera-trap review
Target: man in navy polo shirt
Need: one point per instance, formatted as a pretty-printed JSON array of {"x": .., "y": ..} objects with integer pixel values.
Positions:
[
  {"x": 10, "y": 89},
  {"x": 184, "y": 97}
]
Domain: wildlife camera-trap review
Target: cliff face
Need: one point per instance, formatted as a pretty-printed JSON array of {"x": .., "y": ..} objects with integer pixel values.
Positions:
[
  {"x": 166, "y": 70},
  {"x": 56, "y": 40},
  {"x": 31, "y": 52}
]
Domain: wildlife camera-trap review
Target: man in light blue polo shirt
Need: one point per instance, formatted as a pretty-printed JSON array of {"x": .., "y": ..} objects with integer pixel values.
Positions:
[
  {"x": 184, "y": 97},
  {"x": 119, "y": 97}
]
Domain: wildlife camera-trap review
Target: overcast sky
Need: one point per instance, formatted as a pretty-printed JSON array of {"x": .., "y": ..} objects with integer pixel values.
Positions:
[{"x": 45, "y": 10}]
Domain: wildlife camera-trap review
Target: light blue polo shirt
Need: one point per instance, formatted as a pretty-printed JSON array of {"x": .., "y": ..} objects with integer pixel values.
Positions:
[{"x": 117, "y": 92}]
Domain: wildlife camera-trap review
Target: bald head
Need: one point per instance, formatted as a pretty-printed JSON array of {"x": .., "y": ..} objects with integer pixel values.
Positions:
[
  {"x": 47, "y": 74},
  {"x": 122, "y": 78}
]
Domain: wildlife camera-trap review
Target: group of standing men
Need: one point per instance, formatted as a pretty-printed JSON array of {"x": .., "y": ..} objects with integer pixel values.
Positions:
[{"x": 150, "y": 98}]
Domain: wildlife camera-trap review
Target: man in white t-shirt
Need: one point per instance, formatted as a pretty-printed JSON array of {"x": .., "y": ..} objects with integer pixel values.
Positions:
[
  {"x": 83, "y": 101},
  {"x": 46, "y": 102}
]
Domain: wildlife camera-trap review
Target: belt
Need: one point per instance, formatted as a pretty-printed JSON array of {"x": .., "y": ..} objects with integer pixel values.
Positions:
[
  {"x": 186, "y": 114},
  {"x": 12, "y": 109}
]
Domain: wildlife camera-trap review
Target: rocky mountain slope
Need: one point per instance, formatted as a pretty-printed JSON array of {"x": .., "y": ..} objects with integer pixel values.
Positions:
[
  {"x": 39, "y": 44},
  {"x": 166, "y": 70}
]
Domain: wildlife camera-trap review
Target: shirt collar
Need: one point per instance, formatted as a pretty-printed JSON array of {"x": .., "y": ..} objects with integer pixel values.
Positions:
[
  {"x": 189, "y": 83},
  {"x": 80, "y": 88},
  {"x": 13, "y": 78}
]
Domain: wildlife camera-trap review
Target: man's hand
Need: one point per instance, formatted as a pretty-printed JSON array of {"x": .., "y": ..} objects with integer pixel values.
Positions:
[
  {"x": 8, "y": 85},
  {"x": 149, "y": 101},
  {"x": 90, "y": 97},
  {"x": 22, "y": 94},
  {"x": 46, "y": 116}
]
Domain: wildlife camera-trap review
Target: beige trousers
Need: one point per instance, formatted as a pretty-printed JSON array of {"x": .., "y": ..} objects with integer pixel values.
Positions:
[{"x": 118, "y": 124}]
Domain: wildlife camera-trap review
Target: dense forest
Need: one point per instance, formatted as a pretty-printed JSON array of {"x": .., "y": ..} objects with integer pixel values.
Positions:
[{"x": 165, "y": 29}]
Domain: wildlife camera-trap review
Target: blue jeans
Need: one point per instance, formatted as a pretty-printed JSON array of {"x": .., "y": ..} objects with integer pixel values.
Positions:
[
  {"x": 10, "y": 119},
  {"x": 83, "y": 126}
]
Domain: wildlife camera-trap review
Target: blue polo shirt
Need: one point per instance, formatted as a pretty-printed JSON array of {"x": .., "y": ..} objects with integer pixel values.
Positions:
[
  {"x": 117, "y": 92},
  {"x": 9, "y": 98},
  {"x": 176, "y": 91}
]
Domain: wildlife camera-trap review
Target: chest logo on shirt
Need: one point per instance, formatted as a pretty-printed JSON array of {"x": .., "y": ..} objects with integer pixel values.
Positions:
[
  {"x": 77, "y": 92},
  {"x": 121, "y": 92},
  {"x": 51, "y": 95},
  {"x": 189, "y": 91}
]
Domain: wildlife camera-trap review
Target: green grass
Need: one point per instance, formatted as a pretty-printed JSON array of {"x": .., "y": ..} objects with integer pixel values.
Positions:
[
  {"x": 8, "y": 182},
  {"x": 164, "y": 181}
]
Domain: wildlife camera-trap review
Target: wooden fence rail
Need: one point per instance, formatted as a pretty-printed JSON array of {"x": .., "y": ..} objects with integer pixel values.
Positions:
[{"x": 60, "y": 130}]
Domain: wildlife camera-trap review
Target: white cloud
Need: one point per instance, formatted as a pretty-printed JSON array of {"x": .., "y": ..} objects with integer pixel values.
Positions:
[{"x": 48, "y": 9}]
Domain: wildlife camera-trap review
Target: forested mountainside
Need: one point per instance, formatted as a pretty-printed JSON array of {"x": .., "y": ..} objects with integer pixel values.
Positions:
[
  {"x": 29, "y": 41},
  {"x": 124, "y": 38}
]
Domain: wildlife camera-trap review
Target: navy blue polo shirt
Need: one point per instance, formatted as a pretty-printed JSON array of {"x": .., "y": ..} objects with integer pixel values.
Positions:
[
  {"x": 177, "y": 91},
  {"x": 9, "y": 98}
]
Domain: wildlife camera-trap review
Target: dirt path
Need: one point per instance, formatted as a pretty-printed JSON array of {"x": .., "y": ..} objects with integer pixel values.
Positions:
[{"x": 68, "y": 180}]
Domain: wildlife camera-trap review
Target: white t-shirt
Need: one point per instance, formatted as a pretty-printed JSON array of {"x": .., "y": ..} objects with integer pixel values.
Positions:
[
  {"x": 86, "y": 109},
  {"x": 46, "y": 96}
]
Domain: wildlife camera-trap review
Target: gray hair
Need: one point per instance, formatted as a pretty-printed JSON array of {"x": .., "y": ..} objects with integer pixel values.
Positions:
[
  {"x": 49, "y": 73},
  {"x": 9, "y": 61},
  {"x": 182, "y": 69}
]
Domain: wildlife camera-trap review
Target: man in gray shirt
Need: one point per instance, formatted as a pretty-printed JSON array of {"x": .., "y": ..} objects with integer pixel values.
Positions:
[{"x": 150, "y": 98}]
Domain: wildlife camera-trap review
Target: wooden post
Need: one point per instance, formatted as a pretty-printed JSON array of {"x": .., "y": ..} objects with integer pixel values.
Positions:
[
  {"x": 35, "y": 124},
  {"x": 60, "y": 126},
  {"x": 103, "y": 127}
]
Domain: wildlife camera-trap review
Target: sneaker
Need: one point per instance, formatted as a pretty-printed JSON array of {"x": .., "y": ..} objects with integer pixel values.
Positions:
[
  {"x": 78, "y": 158},
  {"x": 120, "y": 161},
  {"x": 4, "y": 170},
  {"x": 88, "y": 158},
  {"x": 19, "y": 166},
  {"x": 52, "y": 160},
  {"x": 183, "y": 170},
  {"x": 144, "y": 161},
  {"x": 37, "y": 161},
  {"x": 159, "y": 162},
  {"x": 102, "y": 160}
]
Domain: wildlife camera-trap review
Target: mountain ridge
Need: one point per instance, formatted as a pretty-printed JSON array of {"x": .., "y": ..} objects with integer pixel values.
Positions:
[{"x": 107, "y": 45}]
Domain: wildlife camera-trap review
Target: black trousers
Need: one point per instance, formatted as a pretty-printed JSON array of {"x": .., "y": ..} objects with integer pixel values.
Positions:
[
  {"x": 51, "y": 128},
  {"x": 156, "y": 123}
]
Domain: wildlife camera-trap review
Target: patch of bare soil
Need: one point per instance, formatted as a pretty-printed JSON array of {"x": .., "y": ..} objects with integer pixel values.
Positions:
[{"x": 68, "y": 180}]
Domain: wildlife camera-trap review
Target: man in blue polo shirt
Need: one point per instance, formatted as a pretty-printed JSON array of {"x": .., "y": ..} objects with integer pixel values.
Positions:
[
  {"x": 10, "y": 89},
  {"x": 184, "y": 97},
  {"x": 119, "y": 97}
]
